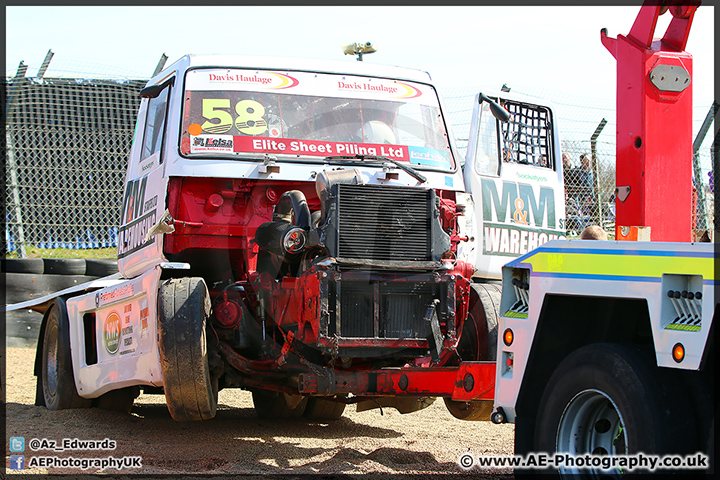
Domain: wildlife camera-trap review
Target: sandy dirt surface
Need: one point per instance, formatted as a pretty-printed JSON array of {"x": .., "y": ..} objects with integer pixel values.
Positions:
[{"x": 236, "y": 441}]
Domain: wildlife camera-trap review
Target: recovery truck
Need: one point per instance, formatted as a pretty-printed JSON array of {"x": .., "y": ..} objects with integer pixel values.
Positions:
[
  {"x": 302, "y": 229},
  {"x": 608, "y": 348}
]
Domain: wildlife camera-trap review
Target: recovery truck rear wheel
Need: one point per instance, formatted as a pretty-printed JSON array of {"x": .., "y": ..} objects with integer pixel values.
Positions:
[
  {"x": 320, "y": 409},
  {"x": 610, "y": 399},
  {"x": 191, "y": 391},
  {"x": 478, "y": 342},
  {"x": 56, "y": 379},
  {"x": 274, "y": 405}
]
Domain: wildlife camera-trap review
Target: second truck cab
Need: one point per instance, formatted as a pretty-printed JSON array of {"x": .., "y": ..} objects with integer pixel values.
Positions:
[{"x": 514, "y": 172}]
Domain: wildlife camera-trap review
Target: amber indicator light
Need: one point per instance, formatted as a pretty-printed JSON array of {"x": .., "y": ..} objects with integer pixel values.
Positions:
[{"x": 678, "y": 352}]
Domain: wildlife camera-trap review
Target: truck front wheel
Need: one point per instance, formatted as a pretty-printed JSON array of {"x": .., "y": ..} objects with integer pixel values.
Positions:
[
  {"x": 191, "y": 391},
  {"x": 118, "y": 400},
  {"x": 478, "y": 342},
  {"x": 320, "y": 409},
  {"x": 610, "y": 399},
  {"x": 57, "y": 380},
  {"x": 276, "y": 405}
]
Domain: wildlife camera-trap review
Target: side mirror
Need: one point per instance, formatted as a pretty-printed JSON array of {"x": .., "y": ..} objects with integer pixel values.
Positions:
[
  {"x": 498, "y": 111},
  {"x": 154, "y": 90}
]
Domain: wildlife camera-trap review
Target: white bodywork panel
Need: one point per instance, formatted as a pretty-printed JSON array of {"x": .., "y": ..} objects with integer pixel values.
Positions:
[
  {"x": 591, "y": 268},
  {"x": 125, "y": 336},
  {"x": 143, "y": 205},
  {"x": 467, "y": 227},
  {"x": 40, "y": 304}
]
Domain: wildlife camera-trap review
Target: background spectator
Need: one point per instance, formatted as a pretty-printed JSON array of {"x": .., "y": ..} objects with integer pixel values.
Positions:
[{"x": 593, "y": 232}]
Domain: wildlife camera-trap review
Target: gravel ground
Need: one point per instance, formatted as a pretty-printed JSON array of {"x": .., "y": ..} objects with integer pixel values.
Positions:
[{"x": 236, "y": 441}]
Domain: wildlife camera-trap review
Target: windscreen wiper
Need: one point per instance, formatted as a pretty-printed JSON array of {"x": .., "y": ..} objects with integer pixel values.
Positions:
[{"x": 409, "y": 170}]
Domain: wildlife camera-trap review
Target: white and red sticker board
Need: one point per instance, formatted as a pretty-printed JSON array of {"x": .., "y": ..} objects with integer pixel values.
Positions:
[
  {"x": 261, "y": 135},
  {"x": 316, "y": 84},
  {"x": 235, "y": 144}
]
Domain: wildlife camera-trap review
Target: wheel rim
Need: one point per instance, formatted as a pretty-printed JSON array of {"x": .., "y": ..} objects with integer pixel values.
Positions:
[
  {"x": 51, "y": 371},
  {"x": 592, "y": 423}
]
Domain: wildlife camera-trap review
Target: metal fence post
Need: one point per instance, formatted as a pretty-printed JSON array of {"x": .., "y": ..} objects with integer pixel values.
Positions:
[
  {"x": 45, "y": 64},
  {"x": 160, "y": 65},
  {"x": 596, "y": 171},
  {"x": 14, "y": 186}
]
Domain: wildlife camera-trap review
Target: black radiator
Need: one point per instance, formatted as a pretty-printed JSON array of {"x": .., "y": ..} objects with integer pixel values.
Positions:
[
  {"x": 385, "y": 309},
  {"x": 377, "y": 222}
]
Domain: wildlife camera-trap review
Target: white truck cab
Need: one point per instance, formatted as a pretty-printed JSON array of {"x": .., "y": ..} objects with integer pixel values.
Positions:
[
  {"x": 267, "y": 119},
  {"x": 302, "y": 229}
]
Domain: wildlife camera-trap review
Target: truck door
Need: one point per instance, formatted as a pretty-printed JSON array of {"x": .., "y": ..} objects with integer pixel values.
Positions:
[
  {"x": 514, "y": 171},
  {"x": 143, "y": 201}
]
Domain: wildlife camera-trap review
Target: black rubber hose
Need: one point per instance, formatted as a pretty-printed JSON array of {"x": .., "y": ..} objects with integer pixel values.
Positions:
[{"x": 294, "y": 201}]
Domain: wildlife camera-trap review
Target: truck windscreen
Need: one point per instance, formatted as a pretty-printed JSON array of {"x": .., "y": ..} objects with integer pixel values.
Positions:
[{"x": 231, "y": 112}]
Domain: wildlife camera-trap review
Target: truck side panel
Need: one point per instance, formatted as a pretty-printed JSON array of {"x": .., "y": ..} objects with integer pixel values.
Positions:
[
  {"x": 113, "y": 336},
  {"x": 626, "y": 282}
]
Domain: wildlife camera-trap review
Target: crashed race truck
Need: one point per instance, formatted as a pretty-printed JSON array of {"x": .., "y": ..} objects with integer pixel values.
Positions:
[{"x": 304, "y": 233}]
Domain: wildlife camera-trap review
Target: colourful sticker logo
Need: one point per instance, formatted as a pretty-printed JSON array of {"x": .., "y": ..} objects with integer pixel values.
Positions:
[
  {"x": 212, "y": 143},
  {"x": 410, "y": 91},
  {"x": 430, "y": 156},
  {"x": 111, "y": 333},
  {"x": 286, "y": 81}
]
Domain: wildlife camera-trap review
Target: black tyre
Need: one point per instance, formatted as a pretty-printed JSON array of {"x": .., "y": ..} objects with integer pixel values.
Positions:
[
  {"x": 190, "y": 388},
  {"x": 118, "y": 400},
  {"x": 56, "y": 379},
  {"x": 23, "y": 265},
  {"x": 611, "y": 399},
  {"x": 100, "y": 267},
  {"x": 475, "y": 410},
  {"x": 320, "y": 409},
  {"x": 478, "y": 342},
  {"x": 64, "y": 266},
  {"x": 275, "y": 405}
]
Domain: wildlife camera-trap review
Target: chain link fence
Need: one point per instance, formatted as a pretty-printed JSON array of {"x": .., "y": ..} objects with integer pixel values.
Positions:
[{"x": 67, "y": 142}]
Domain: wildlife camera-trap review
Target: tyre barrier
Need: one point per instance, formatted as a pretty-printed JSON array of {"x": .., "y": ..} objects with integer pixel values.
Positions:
[
  {"x": 91, "y": 267},
  {"x": 100, "y": 267},
  {"x": 64, "y": 266},
  {"x": 23, "y": 265},
  {"x": 30, "y": 278}
]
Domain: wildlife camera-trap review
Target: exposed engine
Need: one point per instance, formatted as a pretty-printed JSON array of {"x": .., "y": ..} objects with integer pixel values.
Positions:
[{"x": 375, "y": 254}]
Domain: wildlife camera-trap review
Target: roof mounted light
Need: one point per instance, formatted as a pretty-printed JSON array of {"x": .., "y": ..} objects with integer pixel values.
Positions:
[{"x": 358, "y": 49}]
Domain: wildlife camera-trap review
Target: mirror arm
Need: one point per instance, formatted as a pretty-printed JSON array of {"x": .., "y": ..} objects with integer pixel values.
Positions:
[{"x": 497, "y": 110}]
